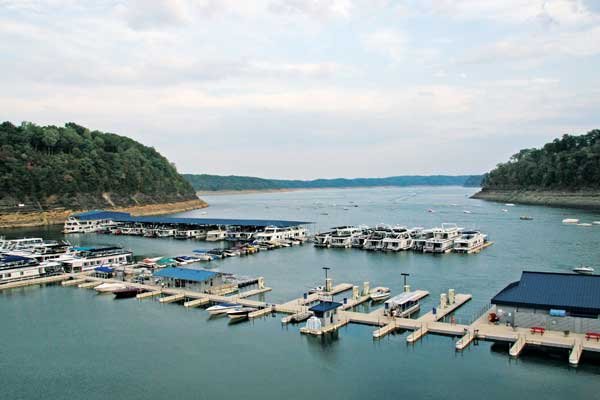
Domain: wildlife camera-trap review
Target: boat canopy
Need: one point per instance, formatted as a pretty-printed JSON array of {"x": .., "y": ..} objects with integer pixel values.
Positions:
[{"x": 403, "y": 298}]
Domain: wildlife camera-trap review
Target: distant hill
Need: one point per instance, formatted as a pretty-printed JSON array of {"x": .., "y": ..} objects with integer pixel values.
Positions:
[
  {"x": 46, "y": 167},
  {"x": 216, "y": 182},
  {"x": 564, "y": 172}
]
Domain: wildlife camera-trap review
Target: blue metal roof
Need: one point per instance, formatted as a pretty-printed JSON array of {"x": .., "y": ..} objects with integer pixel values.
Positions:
[
  {"x": 185, "y": 274},
  {"x": 101, "y": 214},
  {"x": 106, "y": 270},
  {"x": 126, "y": 217},
  {"x": 324, "y": 306},
  {"x": 12, "y": 258},
  {"x": 546, "y": 290},
  {"x": 211, "y": 221}
]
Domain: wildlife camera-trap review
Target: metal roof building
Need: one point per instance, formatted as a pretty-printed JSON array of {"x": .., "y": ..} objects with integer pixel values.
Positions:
[
  {"x": 160, "y": 220},
  {"x": 577, "y": 294},
  {"x": 325, "y": 306}
]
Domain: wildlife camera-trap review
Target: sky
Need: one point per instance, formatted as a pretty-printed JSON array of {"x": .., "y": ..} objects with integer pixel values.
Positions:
[{"x": 308, "y": 88}]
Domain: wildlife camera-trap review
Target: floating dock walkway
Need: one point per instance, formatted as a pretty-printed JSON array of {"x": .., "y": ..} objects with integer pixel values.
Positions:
[{"x": 480, "y": 329}]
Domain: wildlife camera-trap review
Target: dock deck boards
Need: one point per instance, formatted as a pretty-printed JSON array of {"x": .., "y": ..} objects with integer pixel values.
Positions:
[{"x": 428, "y": 323}]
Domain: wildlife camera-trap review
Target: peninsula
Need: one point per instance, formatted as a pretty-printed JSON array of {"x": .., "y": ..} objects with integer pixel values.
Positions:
[
  {"x": 49, "y": 172},
  {"x": 563, "y": 173}
]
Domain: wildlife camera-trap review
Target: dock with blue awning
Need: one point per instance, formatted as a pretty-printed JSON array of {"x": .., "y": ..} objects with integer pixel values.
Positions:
[{"x": 123, "y": 217}]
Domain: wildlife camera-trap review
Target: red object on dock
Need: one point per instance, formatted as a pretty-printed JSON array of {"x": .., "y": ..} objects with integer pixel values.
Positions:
[
  {"x": 592, "y": 335},
  {"x": 537, "y": 329}
]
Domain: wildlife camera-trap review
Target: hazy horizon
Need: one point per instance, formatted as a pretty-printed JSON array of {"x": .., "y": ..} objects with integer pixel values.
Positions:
[{"x": 308, "y": 89}]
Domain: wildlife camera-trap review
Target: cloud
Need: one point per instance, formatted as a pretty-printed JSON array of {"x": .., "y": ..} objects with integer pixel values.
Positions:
[
  {"x": 563, "y": 12},
  {"x": 152, "y": 14},
  {"x": 313, "y": 8},
  {"x": 389, "y": 42},
  {"x": 572, "y": 44}
]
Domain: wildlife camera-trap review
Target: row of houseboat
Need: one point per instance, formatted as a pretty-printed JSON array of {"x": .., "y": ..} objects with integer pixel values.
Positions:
[
  {"x": 444, "y": 239},
  {"x": 246, "y": 234},
  {"x": 29, "y": 258}
]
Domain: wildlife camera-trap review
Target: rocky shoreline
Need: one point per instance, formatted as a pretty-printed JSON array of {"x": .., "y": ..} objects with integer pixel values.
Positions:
[
  {"x": 58, "y": 216},
  {"x": 585, "y": 199}
]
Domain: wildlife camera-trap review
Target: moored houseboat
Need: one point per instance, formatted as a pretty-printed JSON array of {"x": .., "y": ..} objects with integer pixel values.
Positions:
[
  {"x": 88, "y": 258},
  {"x": 442, "y": 240},
  {"x": 402, "y": 305},
  {"x": 469, "y": 242},
  {"x": 398, "y": 240}
]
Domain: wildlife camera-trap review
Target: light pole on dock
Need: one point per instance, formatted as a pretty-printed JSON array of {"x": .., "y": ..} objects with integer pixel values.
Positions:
[
  {"x": 326, "y": 269},
  {"x": 404, "y": 274}
]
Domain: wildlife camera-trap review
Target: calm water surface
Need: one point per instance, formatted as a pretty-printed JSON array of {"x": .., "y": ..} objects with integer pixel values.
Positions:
[{"x": 72, "y": 343}]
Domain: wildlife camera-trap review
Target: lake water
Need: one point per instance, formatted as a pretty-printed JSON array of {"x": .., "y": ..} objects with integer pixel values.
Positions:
[{"x": 72, "y": 343}]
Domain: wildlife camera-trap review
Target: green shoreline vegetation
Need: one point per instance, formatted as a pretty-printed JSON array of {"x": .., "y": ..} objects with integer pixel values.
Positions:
[
  {"x": 48, "y": 167},
  {"x": 208, "y": 183},
  {"x": 564, "y": 172}
]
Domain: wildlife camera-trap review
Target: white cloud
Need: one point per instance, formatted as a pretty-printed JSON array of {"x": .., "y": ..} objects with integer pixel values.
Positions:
[
  {"x": 389, "y": 42},
  {"x": 574, "y": 44},
  {"x": 313, "y": 8}
]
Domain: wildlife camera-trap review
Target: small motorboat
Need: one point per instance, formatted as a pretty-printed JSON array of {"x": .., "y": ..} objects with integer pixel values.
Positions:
[
  {"x": 525, "y": 218},
  {"x": 509, "y": 205},
  {"x": 570, "y": 221},
  {"x": 128, "y": 292},
  {"x": 299, "y": 317},
  {"x": 109, "y": 287},
  {"x": 240, "y": 312},
  {"x": 504, "y": 210},
  {"x": 221, "y": 308},
  {"x": 380, "y": 295},
  {"x": 431, "y": 210},
  {"x": 584, "y": 224},
  {"x": 317, "y": 289},
  {"x": 584, "y": 270}
]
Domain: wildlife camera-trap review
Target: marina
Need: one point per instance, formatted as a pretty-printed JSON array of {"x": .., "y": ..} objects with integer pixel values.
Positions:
[
  {"x": 362, "y": 329},
  {"x": 326, "y": 316}
]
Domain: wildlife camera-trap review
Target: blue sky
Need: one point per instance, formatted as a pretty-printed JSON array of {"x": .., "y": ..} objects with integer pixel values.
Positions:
[{"x": 308, "y": 88}]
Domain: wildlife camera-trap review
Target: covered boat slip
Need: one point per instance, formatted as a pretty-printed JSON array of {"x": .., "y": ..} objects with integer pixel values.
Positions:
[{"x": 121, "y": 217}]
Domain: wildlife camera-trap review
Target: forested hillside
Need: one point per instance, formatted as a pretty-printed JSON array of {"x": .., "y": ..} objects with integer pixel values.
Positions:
[
  {"x": 215, "y": 182},
  {"x": 48, "y": 166},
  {"x": 569, "y": 163}
]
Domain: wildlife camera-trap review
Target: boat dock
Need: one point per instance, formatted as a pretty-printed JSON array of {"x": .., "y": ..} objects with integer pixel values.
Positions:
[
  {"x": 480, "y": 329},
  {"x": 520, "y": 338}
]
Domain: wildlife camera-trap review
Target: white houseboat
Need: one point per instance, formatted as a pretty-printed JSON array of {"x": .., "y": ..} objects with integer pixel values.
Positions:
[
  {"x": 323, "y": 239},
  {"x": 402, "y": 305},
  {"x": 274, "y": 234},
  {"x": 88, "y": 258},
  {"x": 375, "y": 240},
  {"x": 91, "y": 221},
  {"x": 442, "y": 240},
  {"x": 342, "y": 236},
  {"x": 470, "y": 242},
  {"x": 420, "y": 236},
  {"x": 398, "y": 240},
  {"x": 216, "y": 235},
  {"x": 17, "y": 268},
  {"x": 19, "y": 244}
]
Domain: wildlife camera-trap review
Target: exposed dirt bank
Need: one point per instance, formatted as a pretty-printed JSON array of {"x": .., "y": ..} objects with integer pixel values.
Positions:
[
  {"x": 588, "y": 199},
  {"x": 58, "y": 216}
]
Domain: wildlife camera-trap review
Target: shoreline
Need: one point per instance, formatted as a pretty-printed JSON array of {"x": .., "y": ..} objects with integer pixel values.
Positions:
[
  {"x": 585, "y": 199},
  {"x": 59, "y": 216}
]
